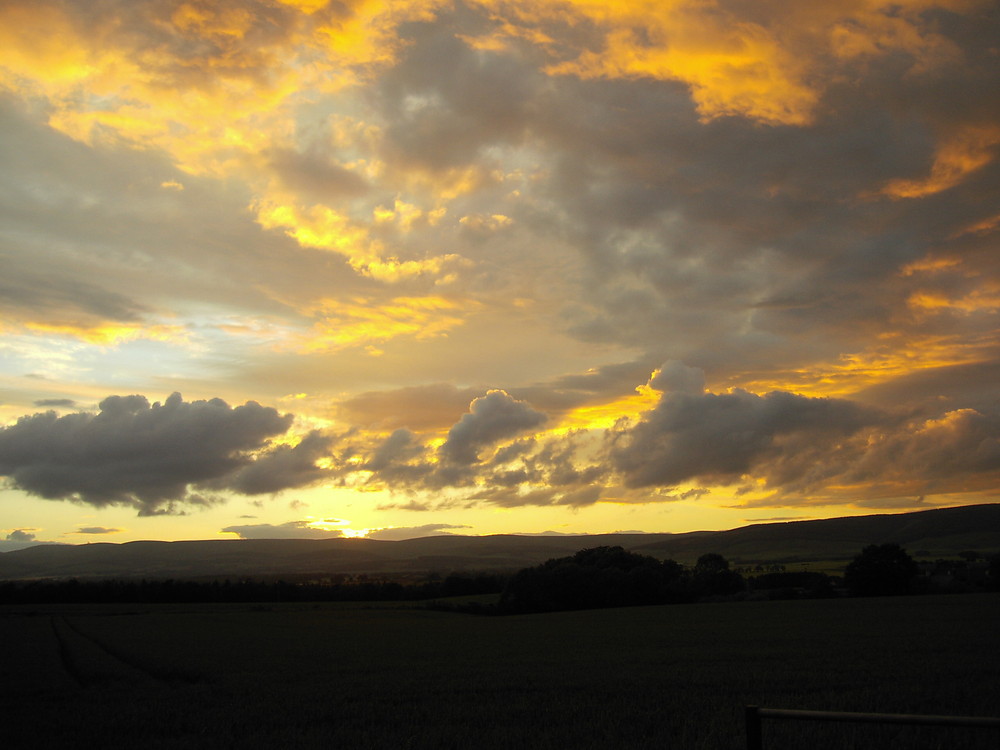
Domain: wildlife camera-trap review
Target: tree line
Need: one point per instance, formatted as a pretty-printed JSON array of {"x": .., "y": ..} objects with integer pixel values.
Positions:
[
  {"x": 172, "y": 591},
  {"x": 615, "y": 577},
  {"x": 591, "y": 578}
]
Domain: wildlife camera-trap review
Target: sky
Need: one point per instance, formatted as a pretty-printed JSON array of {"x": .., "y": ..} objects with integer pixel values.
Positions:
[{"x": 296, "y": 268}]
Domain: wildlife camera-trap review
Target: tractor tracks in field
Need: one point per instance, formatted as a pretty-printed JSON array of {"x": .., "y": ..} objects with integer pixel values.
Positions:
[{"x": 91, "y": 663}]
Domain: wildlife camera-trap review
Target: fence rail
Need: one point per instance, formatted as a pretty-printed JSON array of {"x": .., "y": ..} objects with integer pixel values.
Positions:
[{"x": 754, "y": 714}]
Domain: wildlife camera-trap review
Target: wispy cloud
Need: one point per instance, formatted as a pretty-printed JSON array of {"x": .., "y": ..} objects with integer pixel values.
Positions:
[{"x": 96, "y": 530}]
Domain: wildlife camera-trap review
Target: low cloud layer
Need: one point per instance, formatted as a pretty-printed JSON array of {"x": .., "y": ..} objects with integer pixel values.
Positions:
[
  {"x": 289, "y": 530},
  {"x": 98, "y": 530},
  {"x": 399, "y": 533},
  {"x": 491, "y": 418}
]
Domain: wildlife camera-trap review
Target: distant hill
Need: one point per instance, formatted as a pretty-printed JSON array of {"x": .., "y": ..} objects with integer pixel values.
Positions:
[{"x": 931, "y": 533}]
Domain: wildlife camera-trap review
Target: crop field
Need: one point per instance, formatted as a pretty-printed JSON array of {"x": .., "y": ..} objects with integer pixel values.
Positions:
[{"x": 353, "y": 676}]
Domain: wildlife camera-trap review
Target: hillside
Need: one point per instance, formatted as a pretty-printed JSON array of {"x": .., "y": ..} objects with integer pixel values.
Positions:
[
  {"x": 929, "y": 533},
  {"x": 932, "y": 533}
]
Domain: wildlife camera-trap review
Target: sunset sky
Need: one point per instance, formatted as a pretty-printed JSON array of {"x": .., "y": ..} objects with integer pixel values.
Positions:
[{"x": 299, "y": 268}]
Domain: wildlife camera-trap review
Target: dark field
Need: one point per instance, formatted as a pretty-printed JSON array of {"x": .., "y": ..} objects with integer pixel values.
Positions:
[{"x": 347, "y": 676}]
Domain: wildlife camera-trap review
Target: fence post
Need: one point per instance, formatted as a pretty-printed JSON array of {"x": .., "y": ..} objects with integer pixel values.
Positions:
[{"x": 754, "y": 740}]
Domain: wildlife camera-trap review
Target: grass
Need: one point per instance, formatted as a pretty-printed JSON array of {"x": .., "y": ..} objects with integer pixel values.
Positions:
[{"x": 348, "y": 676}]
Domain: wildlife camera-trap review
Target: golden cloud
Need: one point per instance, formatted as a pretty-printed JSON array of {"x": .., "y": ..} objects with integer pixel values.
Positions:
[
  {"x": 112, "y": 334},
  {"x": 741, "y": 70},
  {"x": 216, "y": 85},
  {"x": 896, "y": 355},
  {"x": 603, "y": 416},
  {"x": 361, "y": 322},
  {"x": 984, "y": 299},
  {"x": 986, "y": 226},
  {"x": 957, "y": 156},
  {"x": 211, "y": 84},
  {"x": 145, "y": 80},
  {"x": 930, "y": 265},
  {"x": 768, "y": 63}
]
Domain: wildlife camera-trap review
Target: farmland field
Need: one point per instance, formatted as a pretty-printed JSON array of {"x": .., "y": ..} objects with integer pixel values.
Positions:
[{"x": 353, "y": 676}]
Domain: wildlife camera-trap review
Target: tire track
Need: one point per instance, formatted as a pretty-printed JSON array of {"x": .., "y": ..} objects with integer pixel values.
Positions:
[
  {"x": 89, "y": 663},
  {"x": 65, "y": 657}
]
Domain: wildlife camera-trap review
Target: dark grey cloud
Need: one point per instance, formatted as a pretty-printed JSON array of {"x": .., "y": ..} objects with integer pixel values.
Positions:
[
  {"x": 490, "y": 418},
  {"x": 57, "y": 297},
  {"x": 934, "y": 390},
  {"x": 810, "y": 449},
  {"x": 56, "y": 402},
  {"x": 512, "y": 497},
  {"x": 557, "y": 462},
  {"x": 289, "y": 530},
  {"x": 676, "y": 377},
  {"x": 957, "y": 451},
  {"x": 721, "y": 437},
  {"x": 96, "y": 530},
  {"x": 400, "y": 445},
  {"x": 20, "y": 535},
  {"x": 445, "y": 102},
  {"x": 154, "y": 457},
  {"x": 316, "y": 175},
  {"x": 282, "y": 467}
]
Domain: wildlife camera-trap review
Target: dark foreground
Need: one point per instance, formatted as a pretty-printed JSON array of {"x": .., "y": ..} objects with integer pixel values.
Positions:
[{"x": 347, "y": 676}]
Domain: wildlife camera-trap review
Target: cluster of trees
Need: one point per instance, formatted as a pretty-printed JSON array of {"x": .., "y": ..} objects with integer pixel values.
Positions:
[
  {"x": 615, "y": 577},
  {"x": 887, "y": 570}
]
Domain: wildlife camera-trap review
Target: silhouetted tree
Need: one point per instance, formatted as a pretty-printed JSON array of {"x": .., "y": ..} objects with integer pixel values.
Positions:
[
  {"x": 880, "y": 570},
  {"x": 712, "y": 577},
  {"x": 591, "y": 578},
  {"x": 712, "y": 561}
]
